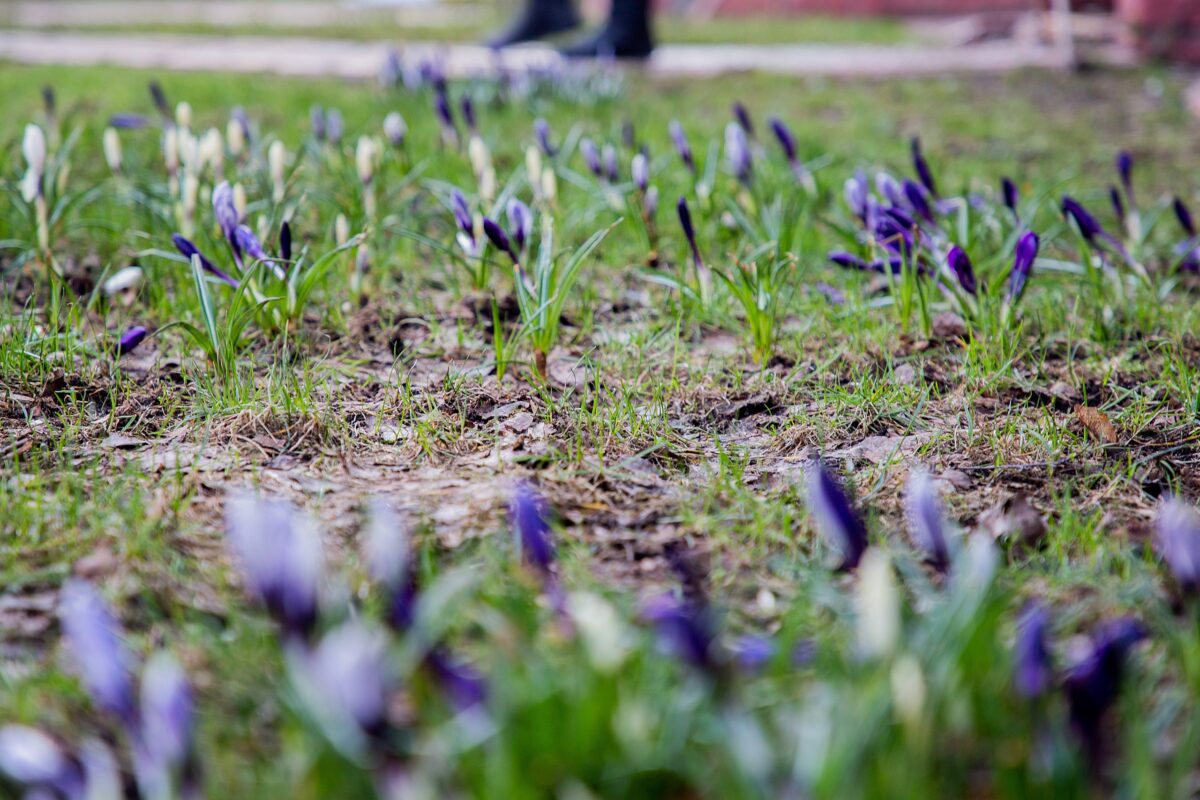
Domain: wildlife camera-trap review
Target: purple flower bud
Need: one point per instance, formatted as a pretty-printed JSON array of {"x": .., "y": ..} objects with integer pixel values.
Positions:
[
  {"x": 1093, "y": 683},
  {"x": 166, "y": 711},
  {"x": 926, "y": 521},
  {"x": 737, "y": 152},
  {"x": 527, "y": 516},
  {"x": 541, "y": 130},
  {"x": 753, "y": 652},
  {"x": 520, "y": 222},
  {"x": 462, "y": 212},
  {"x": 130, "y": 339},
  {"x": 685, "y": 629},
  {"x": 461, "y": 683},
  {"x": 127, "y": 121},
  {"x": 960, "y": 264},
  {"x": 499, "y": 238},
  {"x": 280, "y": 556},
  {"x": 689, "y": 232},
  {"x": 628, "y": 135},
  {"x": 1026, "y": 254},
  {"x": 316, "y": 118},
  {"x": 914, "y": 193},
  {"x": 248, "y": 243},
  {"x": 858, "y": 196},
  {"x": 611, "y": 169},
  {"x": 225, "y": 209},
  {"x": 835, "y": 517},
  {"x": 890, "y": 189},
  {"x": 922, "y": 167},
  {"x": 285, "y": 241},
  {"x": 441, "y": 107},
  {"x": 348, "y": 672},
  {"x": 160, "y": 101},
  {"x": 591, "y": 157},
  {"x": 1012, "y": 196},
  {"x": 742, "y": 116},
  {"x": 679, "y": 138},
  {"x": 640, "y": 170},
  {"x": 388, "y": 553},
  {"x": 238, "y": 115},
  {"x": 334, "y": 126},
  {"x": 34, "y": 760},
  {"x": 1125, "y": 170},
  {"x": 1179, "y": 542},
  {"x": 1087, "y": 224},
  {"x": 1032, "y": 668},
  {"x": 786, "y": 140},
  {"x": 96, "y": 646},
  {"x": 1184, "y": 216},
  {"x": 650, "y": 203},
  {"x": 467, "y": 108},
  {"x": 188, "y": 250},
  {"x": 1118, "y": 205}
]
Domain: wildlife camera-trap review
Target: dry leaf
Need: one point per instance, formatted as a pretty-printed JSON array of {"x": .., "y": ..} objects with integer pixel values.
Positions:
[{"x": 1097, "y": 423}]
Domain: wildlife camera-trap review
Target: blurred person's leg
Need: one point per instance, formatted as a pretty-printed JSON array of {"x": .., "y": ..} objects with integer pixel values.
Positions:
[
  {"x": 539, "y": 19},
  {"x": 625, "y": 35}
]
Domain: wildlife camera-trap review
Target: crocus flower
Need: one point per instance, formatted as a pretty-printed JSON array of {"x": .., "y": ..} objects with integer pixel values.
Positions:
[
  {"x": 591, "y": 157},
  {"x": 394, "y": 128},
  {"x": 1012, "y": 196},
  {"x": 388, "y": 553},
  {"x": 280, "y": 556},
  {"x": 467, "y": 108},
  {"x": 1088, "y": 226},
  {"x": 334, "y": 127},
  {"x": 609, "y": 158},
  {"x": 285, "y": 240},
  {"x": 527, "y": 516},
  {"x": 34, "y": 760},
  {"x": 520, "y": 222},
  {"x": 160, "y": 101},
  {"x": 787, "y": 142},
  {"x": 922, "y": 167},
  {"x": 737, "y": 152},
  {"x": 541, "y": 131},
  {"x": 249, "y": 244},
  {"x": 167, "y": 712},
  {"x": 316, "y": 118},
  {"x": 33, "y": 147},
  {"x": 679, "y": 139},
  {"x": 650, "y": 203},
  {"x": 349, "y": 672},
  {"x": 1184, "y": 216},
  {"x": 111, "y": 144},
  {"x": 1114, "y": 197},
  {"x": 441, "y": 107},
  {"x": 857, "y": 194},
  {"x": 1093, "y": 683},
  {"x": 877, "y": 601},
  {"x": 190, "y": 250},
  {"x": 753, "y": 652},
  {"x": 95, "y": 643},
  {"x": 742, "y": 116},
  {"x": 689, "y": 232},
  {"x": 914, "y": 193},
  {"x": 926, "y": 520},
  {"x": 1124, "y": 164},
  {"x": 850, "y": 261},
  {"x": 685, "y": 628},
  {"x": 225, "y": 210},
  {"x": 462, "y": 212},
  {"x": 890, "y": 189},
  {"x": 461, "y": 683},
  {"x": 499, "y": 238},
  {"x": 640, "y": 171},
  {"x": 126, "y": 121},
  {"x": 1179, "y": 542},
  {"x": 835, "y": 517},
  {"x": 1032, "y": 668},
  {"x": 1026, "y": 254},
  {"x": 960, "y": 264},
  {"x": 130, "y": 339},
  {"x": 237, "y": 131},
  {"x": 122, "y": 280}
]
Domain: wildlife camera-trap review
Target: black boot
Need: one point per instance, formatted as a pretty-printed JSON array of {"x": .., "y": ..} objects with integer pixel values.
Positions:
[
  {"x": 541, "y": 18},
  {"x": 625, "y": 35}
]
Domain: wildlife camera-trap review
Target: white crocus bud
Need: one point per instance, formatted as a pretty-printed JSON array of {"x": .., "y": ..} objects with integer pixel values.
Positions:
[
  {"x": 364, "y": 159},
  {"x": 487, "y": 186},
  {"x": 533, "y": 165},
  {"x": 604, "y": 634},
  {"x": 191, "y": 189},
  {"x": 481, "y": 159},
  {"x": 276, "y": 159},
  {"x": 122, "y": 280},
  {"x": 908, "y": 690},
  {"x": 394, "y": 128},
  {"x": 549, "y": 186},
  {"x": 878, "y": 605},
  {"x": 112, "y": 150},
  {"x": 170, "y": 149},
  {"x": 189, "y": 151},
  {"x": 235, "y": 136},
  {"x": 33, "y": 147},
  {"x": 239, "y": 200},
  {"x": 212, "y": 149},
  {"x": 341, "y": 230},
  {"x": 183, "y": 115}
]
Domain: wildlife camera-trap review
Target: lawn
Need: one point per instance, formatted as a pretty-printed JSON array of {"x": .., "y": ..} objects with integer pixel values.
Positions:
[{"x": 743, "y": 587}]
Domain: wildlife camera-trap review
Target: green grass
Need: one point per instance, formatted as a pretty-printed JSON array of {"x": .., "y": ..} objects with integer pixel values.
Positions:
[{"x": 659, "y": 432}]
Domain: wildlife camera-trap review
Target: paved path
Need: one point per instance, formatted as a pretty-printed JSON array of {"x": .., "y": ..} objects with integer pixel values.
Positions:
[{"x": 336, "y": 58}]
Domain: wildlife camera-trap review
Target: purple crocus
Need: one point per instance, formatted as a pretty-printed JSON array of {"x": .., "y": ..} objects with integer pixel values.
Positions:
[
  {"x": 285, "y": 241},
  {"x": 752, "y": 653},
  {"x": 160, "y": 102},
  {"x": 894, "y": 264},
  {"x": 131, "y": 338},
  {"x": 388, "y": 553},
  {"x": 742, "y": 116},
  {"x": 1032, "y": 667},
  {"x": 1184, "y": 216},
  {"x": 1124, "y": 164},
  {"x": 225, "y": 210},
  {"x": 926, "y": 520},
  {"x": 167, "y": 712},
  {"x": 128, "y": 121},
  {"x": 1179, "y": 542},
  {"x": 857, "y": 194},
  {"x": 685, "y": 628},
  {"x": 612, "y": 170},
  {"x": 249, "y": 244},
  {"x": 190, "y": 250},
  {"x": 682, "y": 147},
  {"x": 1088, "y": 226},
  {"x": 527, "y": 516},
  {"x": 95, "y": 642},
  {"x": 541, "y": 131},
  {"x": 1093, "y": 683},
  {"x": 1012, "y": 196},
  {"x": 689, "y": 231},
  {"x": 835, "y": 517},
  {"x": 280, "y": 556},
  {"x": 785, "y": 138},
  {"x": 334, "y": 127},
  {"x": 917, "y": 199},
  {"x": 1187, "y": 250},
  {"x": 520, "y": 222},
  {"x": 462, "y": 212},
  {"x": 316, "y": 118},
  {"x": 35, "y": 761},
  {"x": 640, "y": 171},
  {"x": 441, "y": 108},
  {"x": 460, "y": 682},
  {"x": 924, "y": 173},
  {"x": 737, "y": 153},
  {"x": 348, "y": 671},
  {"x": 1025, "y": 255},
  {"x": 1118, "y": 204},
  {"x": 499, "y": 238},
  {"x": 591, "y": 157},
  {"x": 960, "y": 264},
  {"x": 467, "y": 108}
]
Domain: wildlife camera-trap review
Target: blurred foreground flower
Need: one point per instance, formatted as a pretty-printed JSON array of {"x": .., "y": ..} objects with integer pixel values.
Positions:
[
  {"x": 835, "y": 518},
  {"x": 1179, "y": 542}
]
